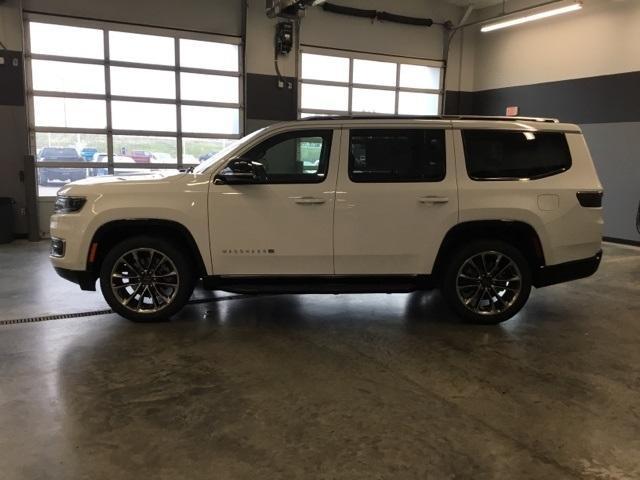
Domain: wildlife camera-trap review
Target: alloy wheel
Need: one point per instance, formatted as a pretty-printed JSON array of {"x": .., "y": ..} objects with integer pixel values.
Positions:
[
  {"x": 144, "y": 280},
  {"x": 488, "y": 283}
]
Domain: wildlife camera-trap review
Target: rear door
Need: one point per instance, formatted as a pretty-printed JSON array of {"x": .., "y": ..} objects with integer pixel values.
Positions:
[{"x": 396, "y": 199}]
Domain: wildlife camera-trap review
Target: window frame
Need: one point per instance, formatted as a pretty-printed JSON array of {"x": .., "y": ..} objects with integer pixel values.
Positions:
[
  {"x": 350, "y": 163},
  {"x": 513, "y": 179},
  {"x": 351, "y": 85},
  {"x": 323, "y": 167},
  {"x": 178, "y": 134}
]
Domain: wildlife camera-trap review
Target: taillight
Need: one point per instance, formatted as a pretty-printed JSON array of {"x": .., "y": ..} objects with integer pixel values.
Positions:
[{"x": 590, "y": 199}]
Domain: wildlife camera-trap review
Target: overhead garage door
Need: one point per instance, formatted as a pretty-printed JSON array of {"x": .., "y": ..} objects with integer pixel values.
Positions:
[{"x": 118, "y": 98}]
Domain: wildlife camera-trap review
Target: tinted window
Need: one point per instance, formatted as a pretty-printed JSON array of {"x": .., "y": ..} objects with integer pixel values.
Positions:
[
  {"x": 396, "y": 155},
  {"x": 509, "y": 155},
  {"x": 294, "y": 157}
]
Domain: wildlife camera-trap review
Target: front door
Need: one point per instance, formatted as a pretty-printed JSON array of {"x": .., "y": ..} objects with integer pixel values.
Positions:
[
  {"x": 283, "y": 226},
  {"x": 396, "y": 199}
]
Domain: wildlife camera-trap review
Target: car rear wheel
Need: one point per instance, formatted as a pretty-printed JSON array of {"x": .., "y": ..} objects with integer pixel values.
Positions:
[
  {"x": 487, "y": 282},
  {"x": 146, "y": 279}
]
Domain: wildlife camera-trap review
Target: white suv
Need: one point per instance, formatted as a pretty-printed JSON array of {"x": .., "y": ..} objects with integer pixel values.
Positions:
[{"x": 483, "y": 208}]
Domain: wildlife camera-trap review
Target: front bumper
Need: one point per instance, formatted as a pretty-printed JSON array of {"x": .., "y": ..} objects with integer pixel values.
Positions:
[
  {"x": 86, "y": 280},
  {"x": 565, "y": 272}
]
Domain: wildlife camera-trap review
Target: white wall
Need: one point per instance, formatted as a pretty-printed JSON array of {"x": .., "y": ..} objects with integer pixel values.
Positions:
[
  {"x": 564, "y": 53},
  {"x": 603, "y": 38}
]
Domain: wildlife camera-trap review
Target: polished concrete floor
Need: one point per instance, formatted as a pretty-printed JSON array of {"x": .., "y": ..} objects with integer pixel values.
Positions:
[{"x": 320, "y": 386}]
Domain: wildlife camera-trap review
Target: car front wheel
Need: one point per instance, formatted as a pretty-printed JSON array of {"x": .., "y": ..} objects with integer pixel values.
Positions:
[
  {"x": 146, "y": 279},
  {"x": 487, "y": 281}
]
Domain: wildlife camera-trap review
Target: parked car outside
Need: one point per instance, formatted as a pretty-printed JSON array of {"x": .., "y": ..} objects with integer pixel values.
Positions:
[
  {"x": 117, "y": 170},
  {"x": 141, "y": 156},
  {"x": 59, "y": 174},
  {"x": 206, "y": 156},
  {"x": 87, "y": 153}
]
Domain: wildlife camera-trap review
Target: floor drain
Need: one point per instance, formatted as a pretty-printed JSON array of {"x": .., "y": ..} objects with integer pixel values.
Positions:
[{"x": 63, "y": 316}]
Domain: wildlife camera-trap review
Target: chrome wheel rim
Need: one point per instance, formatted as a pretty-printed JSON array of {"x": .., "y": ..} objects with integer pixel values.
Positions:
[
  {"x": 488, "y": 283},
  {"x": 144, "y": 280}
]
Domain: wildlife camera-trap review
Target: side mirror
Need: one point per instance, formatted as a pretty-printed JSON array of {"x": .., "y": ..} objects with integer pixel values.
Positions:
[{"x": 241, "y": 171}]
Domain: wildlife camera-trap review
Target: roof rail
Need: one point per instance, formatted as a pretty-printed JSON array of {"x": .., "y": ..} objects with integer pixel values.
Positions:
[{"x": 430, "y": 117}]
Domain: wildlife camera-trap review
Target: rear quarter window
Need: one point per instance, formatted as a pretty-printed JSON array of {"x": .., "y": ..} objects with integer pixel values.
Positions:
[{"x": 509, "y": 155}]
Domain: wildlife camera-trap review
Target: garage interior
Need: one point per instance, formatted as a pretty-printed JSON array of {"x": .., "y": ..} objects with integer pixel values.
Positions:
[{"x": 308, "y": 386}]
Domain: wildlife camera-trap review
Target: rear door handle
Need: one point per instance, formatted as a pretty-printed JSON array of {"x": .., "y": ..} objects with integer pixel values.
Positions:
[
  {"x": 433, "y": 199},
  {"x": 309, "y": 200}
]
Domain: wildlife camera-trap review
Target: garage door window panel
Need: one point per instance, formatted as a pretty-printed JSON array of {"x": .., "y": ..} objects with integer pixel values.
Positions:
[
  {"x": 324, "y": 67},
  {"x": 63, "y": 40},
  {"x": 146, "y": 150},
  {"x": 143, "y": 82},
  {"x": 198, "y": 150},
  {"x": 209, "y": 55},
  {"x": 414, "y": 103},
  {"x": 418, "y": 76},
  {"x": 209, "y": 88},
  {"x": 344, "y": 84},
  {"x": 373, "y": 101},
  {"x": 141, "y": 48},
  {"x": 325, "y": 97},
  {"x": 213, "y": 120},
  {"x": 69, "y": 147},
  {"x": 68, "y": 77},
  {"x": 368, "y": 72},
  {"x": 69, "y": 112},
  {"x": 143, "y": 116},
  {"x": 397, "y": 155}
]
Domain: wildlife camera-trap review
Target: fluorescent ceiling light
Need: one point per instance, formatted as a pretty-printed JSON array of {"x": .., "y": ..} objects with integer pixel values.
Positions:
[{"x": 531, "y": 18}]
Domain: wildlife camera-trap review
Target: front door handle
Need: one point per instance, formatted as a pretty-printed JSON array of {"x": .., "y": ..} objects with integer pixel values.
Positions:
[
  {"x": 309, "y": 200},
  {"x": 433, "y": 199}
]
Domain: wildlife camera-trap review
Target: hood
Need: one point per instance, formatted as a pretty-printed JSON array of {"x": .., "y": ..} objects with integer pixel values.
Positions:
[
  {"x": 131, "y": 177},
  {"x": 94, "y": 184}
]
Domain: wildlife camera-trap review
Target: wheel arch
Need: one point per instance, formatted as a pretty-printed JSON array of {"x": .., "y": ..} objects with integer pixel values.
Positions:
[
  {"x": 112, "y": 232},
  {"x": 517, "y": 233}
]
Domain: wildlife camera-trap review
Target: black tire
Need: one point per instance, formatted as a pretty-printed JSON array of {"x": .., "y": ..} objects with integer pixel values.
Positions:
[
  {"x": 501, "y": 304},
  {"x": 178, "y": 262}
]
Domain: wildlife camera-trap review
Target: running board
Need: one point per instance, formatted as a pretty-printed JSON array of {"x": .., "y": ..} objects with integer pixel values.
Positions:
[{"x": 319, "y": 284}]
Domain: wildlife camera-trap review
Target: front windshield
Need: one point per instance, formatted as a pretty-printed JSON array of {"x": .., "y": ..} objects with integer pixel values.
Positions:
[{"x": 225, "y": 151}]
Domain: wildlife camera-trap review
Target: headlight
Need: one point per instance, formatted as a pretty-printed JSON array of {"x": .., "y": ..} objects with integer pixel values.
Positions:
[{"x": 68, "y": 204}]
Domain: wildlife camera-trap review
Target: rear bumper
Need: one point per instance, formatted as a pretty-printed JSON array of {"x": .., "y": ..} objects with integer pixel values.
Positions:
[
  {"x": 86, "y": 280},
  {"x": 565, "y": 272}
]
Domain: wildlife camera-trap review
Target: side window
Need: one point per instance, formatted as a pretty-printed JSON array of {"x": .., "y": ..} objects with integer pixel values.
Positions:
[
  {"x": 397, "y": 155},
  {"x": 294, "y": 157},
  {"x": 504, "y": 155}
]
